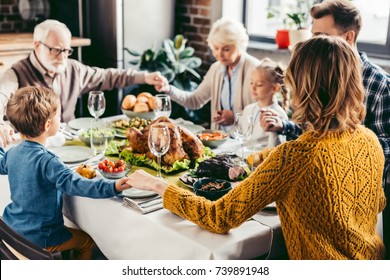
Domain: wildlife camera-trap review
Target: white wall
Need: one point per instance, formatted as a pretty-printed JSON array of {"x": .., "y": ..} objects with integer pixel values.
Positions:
[{"x": 146, "y": 23}]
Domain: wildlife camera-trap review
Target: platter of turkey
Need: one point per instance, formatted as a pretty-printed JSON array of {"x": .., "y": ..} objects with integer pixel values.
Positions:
[{"x": 185, "y": 149}]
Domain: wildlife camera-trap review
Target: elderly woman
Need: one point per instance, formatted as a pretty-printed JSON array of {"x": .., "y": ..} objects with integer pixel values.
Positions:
[
  {"x": 327, "y": 184},
  {"x": 227, "y": 82}
]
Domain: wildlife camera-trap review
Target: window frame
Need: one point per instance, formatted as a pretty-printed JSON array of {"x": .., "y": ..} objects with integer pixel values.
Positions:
[{"x": 374, "y": 50}]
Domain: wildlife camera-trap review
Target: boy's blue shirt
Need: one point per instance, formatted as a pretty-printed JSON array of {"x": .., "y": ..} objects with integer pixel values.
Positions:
[{"x": 37, "y": 179}]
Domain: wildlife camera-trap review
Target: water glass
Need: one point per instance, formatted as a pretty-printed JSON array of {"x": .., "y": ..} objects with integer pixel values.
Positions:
[
  {"x": 96, "y": 103},
  {"x": 100, "y": 134},
  {"x": 162, "y": 106},
  {"x": 242, "y": 128}
]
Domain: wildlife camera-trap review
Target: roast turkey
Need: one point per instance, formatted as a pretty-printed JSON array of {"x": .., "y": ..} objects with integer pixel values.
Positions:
[{"x": 183, "y": 143}]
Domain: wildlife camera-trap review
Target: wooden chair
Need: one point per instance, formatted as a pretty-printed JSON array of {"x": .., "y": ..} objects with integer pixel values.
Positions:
[{"x": 15, "y": 247}]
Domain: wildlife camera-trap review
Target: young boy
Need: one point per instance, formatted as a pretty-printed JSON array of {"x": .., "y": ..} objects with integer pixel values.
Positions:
[{"x": 38, "y": 178}]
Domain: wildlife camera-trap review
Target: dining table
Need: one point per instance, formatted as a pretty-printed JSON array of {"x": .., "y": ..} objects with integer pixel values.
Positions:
[{"x": 121, "y": 233}]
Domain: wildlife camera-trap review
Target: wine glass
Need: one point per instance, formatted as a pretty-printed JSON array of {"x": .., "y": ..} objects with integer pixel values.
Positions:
[
  {"x": 162, "y": 106},
  {"x": 158, "y": 142},
  {"x": 96, "y": 103},
  {"x": 242, "y": 128}
]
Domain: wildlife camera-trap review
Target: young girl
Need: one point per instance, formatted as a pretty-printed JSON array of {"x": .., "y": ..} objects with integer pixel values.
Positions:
[{"x": 266, "y": 81}]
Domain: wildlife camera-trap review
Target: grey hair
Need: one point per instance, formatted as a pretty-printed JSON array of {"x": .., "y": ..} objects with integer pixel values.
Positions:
[
  {"x": 228, "y": 31},
  {"x": 44, "y": 28}
]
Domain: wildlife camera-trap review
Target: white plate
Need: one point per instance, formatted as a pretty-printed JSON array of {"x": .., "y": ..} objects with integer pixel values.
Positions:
[
  {"x": 192, "y": 127},
  {"x": 136, "y": 193},
  {"x": 71, "y": 154},
  {"x": 80, "y": 123}
]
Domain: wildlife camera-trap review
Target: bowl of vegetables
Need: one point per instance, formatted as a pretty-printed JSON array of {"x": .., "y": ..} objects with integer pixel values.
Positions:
[
  {"x": 84, "y": 134},
  {"x": 113, "y": 169},
  {"x": 211, "y": 188},
  {"x": 212, "y": 138}
]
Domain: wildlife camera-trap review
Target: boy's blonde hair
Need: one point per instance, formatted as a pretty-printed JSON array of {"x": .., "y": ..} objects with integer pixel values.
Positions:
[
  {"x": 275, "y": 72},
  {"x": 29, "y": 109},
  {"x": 326, "y": 85}
]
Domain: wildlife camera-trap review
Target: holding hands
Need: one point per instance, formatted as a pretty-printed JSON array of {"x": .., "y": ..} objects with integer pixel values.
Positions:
[
  {"x": 270, "y": 120},
  {"x": 142, "y": 180},
  {"x": 159, "y": 82}
]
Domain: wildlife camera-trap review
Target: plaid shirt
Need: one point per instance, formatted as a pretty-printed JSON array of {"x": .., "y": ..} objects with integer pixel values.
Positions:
[{"x": 377, "y": 85}]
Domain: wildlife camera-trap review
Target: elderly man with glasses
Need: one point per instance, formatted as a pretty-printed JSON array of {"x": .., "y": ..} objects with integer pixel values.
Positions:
[{"x": 49, "y": 66}]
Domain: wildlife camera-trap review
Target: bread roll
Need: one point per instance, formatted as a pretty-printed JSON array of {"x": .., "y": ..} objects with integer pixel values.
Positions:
[
  {"x": 141, "y": 107},
  {"x": 142, "y": 99},
  {"x": 146, "y": 94},
  {"x": 151, "y": 102},
  {"x": 129, "y": 102}
]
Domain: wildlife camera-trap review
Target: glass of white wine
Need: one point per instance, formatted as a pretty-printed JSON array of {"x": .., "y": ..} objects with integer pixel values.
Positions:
[
  {"x": 162, "y": 106},
  {"x": 242, "y": 129},
  {"x": 159, "y": 141},
  {"x": 96, "y": 103}
]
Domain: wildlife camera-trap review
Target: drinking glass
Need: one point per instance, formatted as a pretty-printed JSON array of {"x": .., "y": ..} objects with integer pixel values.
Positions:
[
  {"x": 96, "y": 103},
  {"x": 162, "y": 106},
  {"x": 242, "y": 129},
  {"x": 100, "y": 134},
  {"x": 158, "y": 142}
]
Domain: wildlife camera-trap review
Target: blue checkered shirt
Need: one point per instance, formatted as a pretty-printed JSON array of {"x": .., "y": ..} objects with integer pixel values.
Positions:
[{"x": 377, "y": 85}]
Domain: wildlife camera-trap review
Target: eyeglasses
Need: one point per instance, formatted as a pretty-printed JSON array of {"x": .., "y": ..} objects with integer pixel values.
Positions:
[{"x": 56, "y": 51}]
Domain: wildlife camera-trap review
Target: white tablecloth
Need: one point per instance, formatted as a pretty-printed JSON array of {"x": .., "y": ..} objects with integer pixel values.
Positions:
[{"x": 122, "y": 233}]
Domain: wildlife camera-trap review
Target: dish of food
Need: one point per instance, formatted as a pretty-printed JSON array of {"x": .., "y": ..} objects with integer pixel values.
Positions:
[
  {"x": 184, "y": 148},
  {"x": 85, "y": 134},
  {"x": 211, "y": 188},
  {"x": 86, "y": 171},
  {"x": 122, "y": 125},
  {"x": 72, "y": 154},
  {"x": 212, "y": 138},
  {"x": 113, "y": 170}
]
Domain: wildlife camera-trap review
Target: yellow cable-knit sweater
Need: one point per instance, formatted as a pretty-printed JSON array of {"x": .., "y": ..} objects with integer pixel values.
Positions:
[{"x": 328, "y": 194}]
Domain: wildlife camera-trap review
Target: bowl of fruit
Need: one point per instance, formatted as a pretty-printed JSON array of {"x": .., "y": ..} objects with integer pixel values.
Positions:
[{"x": 113, "y": 169}]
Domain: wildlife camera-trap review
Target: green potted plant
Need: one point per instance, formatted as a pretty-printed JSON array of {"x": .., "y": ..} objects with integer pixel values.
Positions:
[
  {"x": 178, "y": 64},
  {"x": 295, "y": 17},
  {"x": 174, "y": 60}
]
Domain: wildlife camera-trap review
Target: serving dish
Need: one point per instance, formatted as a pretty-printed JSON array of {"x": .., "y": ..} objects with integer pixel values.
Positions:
[
  {"x": 212, "y": 138},
  {"x": 211, "y": 188}
]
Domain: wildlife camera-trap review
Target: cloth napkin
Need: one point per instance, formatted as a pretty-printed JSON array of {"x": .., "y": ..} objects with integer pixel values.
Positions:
[{"x": 144, "y": 205}]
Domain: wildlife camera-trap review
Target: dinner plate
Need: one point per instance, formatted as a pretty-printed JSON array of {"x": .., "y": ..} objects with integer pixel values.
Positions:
[
  {"x": 71, "y": 154},
  {"x": 80, "y": 123},
  {"x": 192, "y": 127},
  {"x": 136, "y": 193}
]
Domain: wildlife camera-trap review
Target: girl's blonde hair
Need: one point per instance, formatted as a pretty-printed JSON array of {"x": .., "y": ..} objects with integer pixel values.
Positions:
[
  {"x": 228, "y": 31},
  {"x": 327, "y": 91},
  {"x": 275, "y": 72}
]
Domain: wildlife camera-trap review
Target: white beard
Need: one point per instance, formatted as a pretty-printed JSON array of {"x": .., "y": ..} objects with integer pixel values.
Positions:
[{"x": 53, "y": 65}]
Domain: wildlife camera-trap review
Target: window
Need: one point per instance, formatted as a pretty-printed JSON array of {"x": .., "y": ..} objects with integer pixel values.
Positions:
[{"x": 374, "y": 37}]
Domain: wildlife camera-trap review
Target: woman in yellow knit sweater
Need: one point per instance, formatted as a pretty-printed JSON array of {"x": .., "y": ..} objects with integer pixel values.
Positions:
[{"x": 327, "y": 184}]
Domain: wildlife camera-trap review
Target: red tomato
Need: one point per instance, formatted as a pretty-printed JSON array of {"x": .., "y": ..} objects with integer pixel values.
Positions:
[
  {"x": 115, "y": 169},
  {"x": 120, "y": 162},
  {"x": 101, "y": 166},
  {"x": 107, "y": 169},
  {"x": 121, "y": 168}
]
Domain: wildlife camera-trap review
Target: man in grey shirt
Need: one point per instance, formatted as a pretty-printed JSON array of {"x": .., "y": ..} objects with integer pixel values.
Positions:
[{"x": 49, "y": 66}]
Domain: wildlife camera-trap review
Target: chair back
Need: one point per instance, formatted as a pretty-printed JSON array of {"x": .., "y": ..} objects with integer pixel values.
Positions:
[{"x": 13, "y": 246}]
